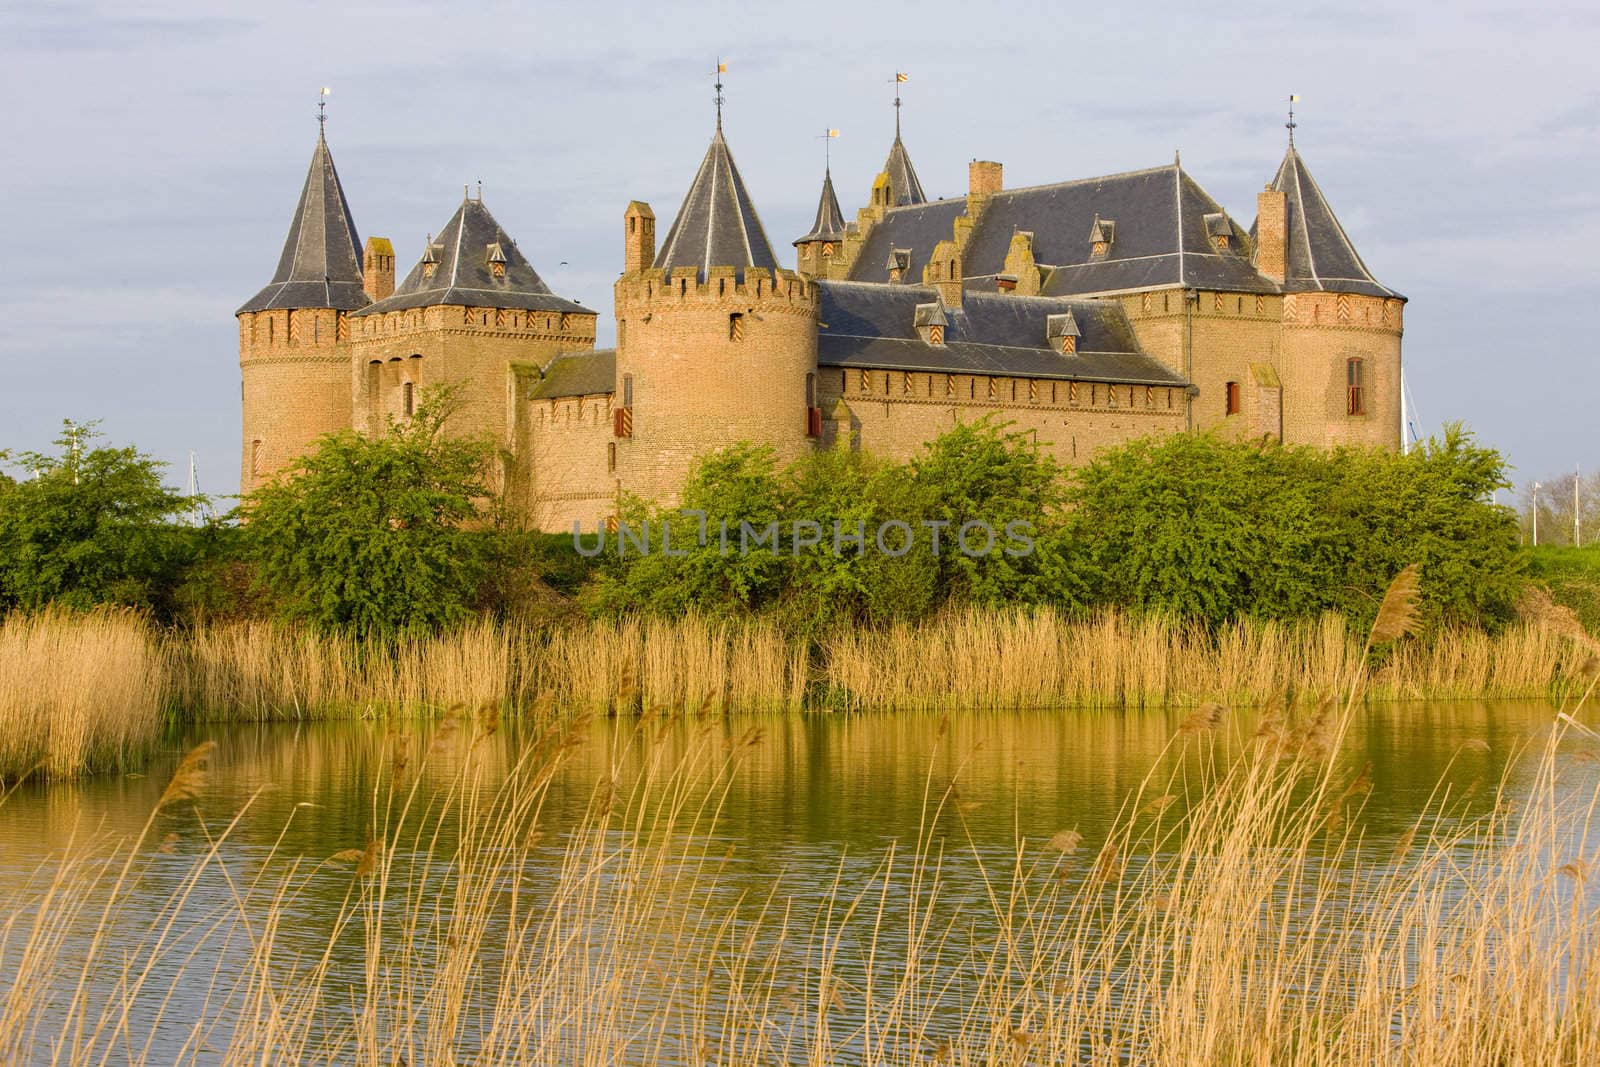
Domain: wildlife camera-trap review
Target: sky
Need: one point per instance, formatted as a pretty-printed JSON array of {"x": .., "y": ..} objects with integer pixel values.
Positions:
[{"x": 154, "y": 158}]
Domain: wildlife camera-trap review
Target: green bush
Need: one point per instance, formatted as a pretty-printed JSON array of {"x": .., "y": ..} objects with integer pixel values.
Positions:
[
  {"x": 1209, "y": 529},
  {"x": 822, "y": 553},
  {"x": 88, "y": 526},
  {"x": 374, "y": 534}
]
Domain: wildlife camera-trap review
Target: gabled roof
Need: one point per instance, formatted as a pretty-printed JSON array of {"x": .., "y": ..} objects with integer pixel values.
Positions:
[
  {"x": 1156, "y": 221},
  {"x": 903, "y": 176},
  {"x": 829, "y": 225},
  {"x": 1319, "y": 253},
  {"x": 717, "y": 225},
  {"x": 874, "y": 326},
  {"x": 321, "y": 262},
  {"x": 578, "y": 374},
  {"x": 461, "y": 256}
]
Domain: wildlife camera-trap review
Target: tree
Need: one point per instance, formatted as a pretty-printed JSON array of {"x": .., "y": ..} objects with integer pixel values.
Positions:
[
  {"x": 374, "y": 535},
  {"x": 88, "y": 526}
]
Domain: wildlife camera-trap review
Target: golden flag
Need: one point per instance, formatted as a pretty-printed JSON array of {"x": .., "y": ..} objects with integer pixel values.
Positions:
[
  {"x": 722, "y": 68},
  {"x": 899, "y": 77},
  {"x": 833, "y": 133}
]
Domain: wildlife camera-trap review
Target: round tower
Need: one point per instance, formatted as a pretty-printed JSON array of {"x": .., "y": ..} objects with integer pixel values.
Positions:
[
  {"x": 294, "y": 367},
  {"x": 715, "y": 343}
]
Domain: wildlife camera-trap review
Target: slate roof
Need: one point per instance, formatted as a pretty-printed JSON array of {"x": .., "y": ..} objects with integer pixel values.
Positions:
[
  {"x": 1320, "y": 255},
  {"x": 871, "y": 326},
  {"x": 829, "y": 225},
  {"x": 717, "y": 225},
  {"x": 1162, "y": 223},
  {"x": 320, "y": 266},
  {"x": 903, "y": 176},
  {"x": 578, "y": 374},
  {"x": 915, "y": 228},
  {"x": 461, "y": 254}
]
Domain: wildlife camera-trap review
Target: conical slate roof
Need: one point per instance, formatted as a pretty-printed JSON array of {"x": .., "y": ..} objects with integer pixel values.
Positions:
[
  {"x": 321, "y": 262},
  {"x": 717, "y": 225},
  {"x": 1319, "y": 253},
  {"x": 903, "y": 176},
  {"x": 829, "y": 225},
  {"x": 462, "y": 256}
]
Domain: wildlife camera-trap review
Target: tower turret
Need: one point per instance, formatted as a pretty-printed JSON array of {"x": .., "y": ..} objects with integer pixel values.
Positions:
[
  {"x": 295, "y": 375},
  {"x": 715, "y": 342},
  {"x": 818, "y": 250}
]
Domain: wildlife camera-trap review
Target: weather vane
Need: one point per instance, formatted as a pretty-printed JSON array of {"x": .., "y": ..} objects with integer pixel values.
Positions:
[
  {"x": 827, "y": 137},
  {"x": 900, "y": 78},
  {"x": 322, "y": 108},
  {"x": 1294, "y": 98},
  {"x": 722, "y": 68}
]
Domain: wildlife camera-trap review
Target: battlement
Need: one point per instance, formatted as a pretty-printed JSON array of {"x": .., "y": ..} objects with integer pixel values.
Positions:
[{"x": 682, "y": 287}]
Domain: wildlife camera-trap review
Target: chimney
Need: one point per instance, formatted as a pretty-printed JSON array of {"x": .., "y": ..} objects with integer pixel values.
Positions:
[
  {"x": 983, "y": 181},
  {"x": 983, "y": 177},
  {"x": 1272, "y": 233},
  {"x": 377, "y": 268},
  {"x": 639, "y": 238}
]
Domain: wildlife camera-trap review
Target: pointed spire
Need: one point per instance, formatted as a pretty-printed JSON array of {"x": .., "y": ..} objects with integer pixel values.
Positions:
[
  {"x": 320, "y": 266},
  {"x": 903, "y": 183},
  {"x": 717, "y": 225},
  {"x": 829, "y": 225},
  {"x": 1318, "y": 254}
]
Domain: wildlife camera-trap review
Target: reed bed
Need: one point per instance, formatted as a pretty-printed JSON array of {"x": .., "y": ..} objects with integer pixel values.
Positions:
[
  {"x": 1231, "y": 915},
  {"x": 1041, "y": 658},
  {"x": 78, "y": 693}
]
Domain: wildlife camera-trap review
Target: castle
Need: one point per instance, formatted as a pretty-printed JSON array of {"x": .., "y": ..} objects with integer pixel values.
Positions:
[{"x": 1086, "y": 313}]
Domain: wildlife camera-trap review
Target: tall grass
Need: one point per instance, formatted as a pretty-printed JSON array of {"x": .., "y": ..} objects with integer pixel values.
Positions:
[
  {"x": 83, "y": 692},
  {"x": 1231, "y": 915},
  {"x": 78, "y": 693}
]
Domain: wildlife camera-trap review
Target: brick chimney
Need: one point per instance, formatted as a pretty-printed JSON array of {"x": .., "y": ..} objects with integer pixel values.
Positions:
[
  {"x": 377, "y": 268},
  {"x": 639, "y": 238},
  {"x": 984, "y": 179},
  {"x": 1272, "y": 233}
]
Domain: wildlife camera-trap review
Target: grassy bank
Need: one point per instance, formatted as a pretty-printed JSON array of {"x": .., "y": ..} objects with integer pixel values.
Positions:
[
  {"x": 1572, "y": 575},
  {"x": 1232, "y": 916},
  {"x": 80, "y": 693}
]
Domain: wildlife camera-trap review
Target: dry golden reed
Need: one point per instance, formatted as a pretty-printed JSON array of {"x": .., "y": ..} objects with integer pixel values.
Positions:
[
  {"x": 1242, "y": 928},
  {"x": 79, "y": 692}
]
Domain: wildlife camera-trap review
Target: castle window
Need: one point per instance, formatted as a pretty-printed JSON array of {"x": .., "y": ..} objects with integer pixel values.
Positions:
[
  {"x": 1355, "y": 375},
  {"x": 811, "y": 390},
  {"x": 827, "y": 250},
  {"x": 611, "y": 449},
  {"x": 627, "y": 390},
  {"x": 1232, "y": 399},
  {"x": 736, "y": 327},
  {"x": 408, "y": 401}
]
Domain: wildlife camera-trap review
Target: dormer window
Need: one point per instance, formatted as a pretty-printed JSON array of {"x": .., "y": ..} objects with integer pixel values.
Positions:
[
  {"x": 1061, "y": 331},
  {"x": 1101, "y": 236},
  {"x": 1219, "y": 231},
  {"x": 899, "y": 264},
  {"x": 497, "y": 260},
  {"x": 827, "y": 250},
  {"x": 929, "y": 323},
  {"x": 429, "y": 262},
  {"x": 1005, "y": 283}
]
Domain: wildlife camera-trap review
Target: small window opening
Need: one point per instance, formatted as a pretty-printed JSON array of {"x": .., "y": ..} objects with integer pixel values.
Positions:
[{"x": 1232, "y": 398}]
